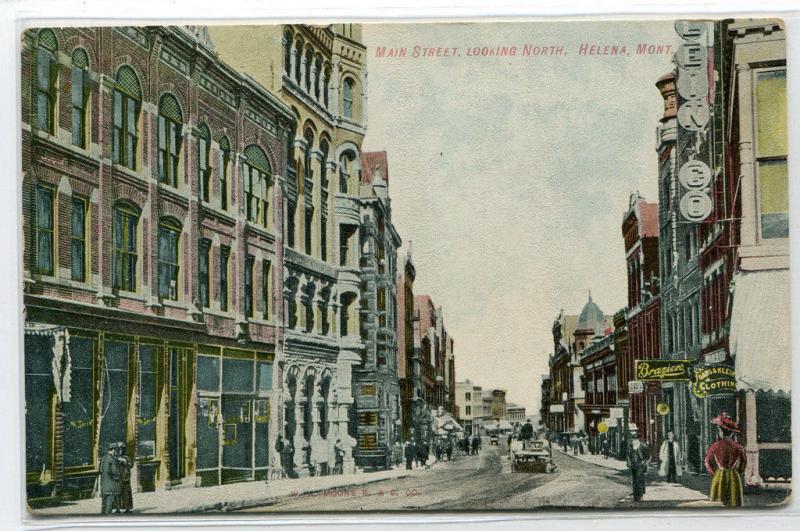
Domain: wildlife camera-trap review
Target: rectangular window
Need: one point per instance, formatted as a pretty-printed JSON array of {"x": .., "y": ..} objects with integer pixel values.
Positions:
[
  {"x": 290, "y": 213},
  {"x": 223, "y": 180},
  {"x": 266, "y": 291},
  {"x": 123, "y": 138},
  {"x": 309, "y": 224},
  {"x": 124, "y": 254},
  {"x": 772, "y": 149},
  {"x": 148, "y": 400},
  {"x": 203, "y": 263},
  {"x": 248, "y": 285},
  {"x": 78, "y": 240},
  {"x": 46, "y": 77},
  {"x": 80, "y": 411},
  {"x": 224, "y": 253},
  {"x": 168, "y": 262},
  {"x": 203, "y": 168},
  {"x": 80, "y": 98},
  {"x": 323, "y": 238},
  {"x": 169, "y": 143},
  {"x": 44, "y": 231}
]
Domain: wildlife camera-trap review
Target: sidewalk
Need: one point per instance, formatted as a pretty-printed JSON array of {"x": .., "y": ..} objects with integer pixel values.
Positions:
[
  {"x": 657, "y": 490},
  {"x": 229, "y": 497}
]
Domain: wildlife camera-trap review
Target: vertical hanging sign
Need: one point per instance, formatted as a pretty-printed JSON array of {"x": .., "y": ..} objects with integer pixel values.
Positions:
[{"x": 694, "y": 115}]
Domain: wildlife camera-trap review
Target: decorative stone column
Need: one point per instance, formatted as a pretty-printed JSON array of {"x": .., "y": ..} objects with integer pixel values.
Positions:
[
  {"x": 299, "y": 441},
  {"x": 344, "y": 392}
]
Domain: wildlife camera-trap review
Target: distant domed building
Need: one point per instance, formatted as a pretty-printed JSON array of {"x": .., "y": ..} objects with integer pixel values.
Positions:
[{"x": 591, "y": 323}]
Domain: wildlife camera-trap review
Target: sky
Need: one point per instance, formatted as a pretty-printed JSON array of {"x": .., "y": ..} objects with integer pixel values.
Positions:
[{"x": 511, "y": 175}]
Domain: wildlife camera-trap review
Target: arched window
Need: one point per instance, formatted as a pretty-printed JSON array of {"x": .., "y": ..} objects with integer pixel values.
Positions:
[
  {"x": 317, "y": 76},
  {"x": 347, "y": 98},
  {"x": 257, "y": 175},
  {"x": 125, "y": 250},
  {"x": 127, "y": 103},
  {"x": 170, "y": 119},
  {"x": 298, "y": 56},
  {"x": 225, "y": 155},
  {"x": 169, "y": 233},
  {"x": 46, "y": 81},
  {"x": 287, "y": 52},
  {"x": 309, "y": 138},
  {"x": 345, "y": 167},
  {"x": 324, "y": 148},
  {"x": 203, "y": 165},
  {"x": 325, "y": 85},
  {"x": 80, "y": 96},
  {"x": 309, "y": 61}
]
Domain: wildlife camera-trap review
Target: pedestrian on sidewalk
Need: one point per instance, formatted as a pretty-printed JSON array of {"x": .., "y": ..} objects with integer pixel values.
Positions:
[
  {"x": 338, "y": 456},
  {"x": 638, "y": 458},
  {"x": 124, "y": 500},
  {"x": 409, "y": 452},
  {"x": 397, "y": 453},
  {"x": 670, "y": 457},
  {"x": 606, "y": 446},
  {"x": 424, "y": 451},
  {"x": 287, "y": 460},
  {"x": 109, "y": 479},
  {"x": 476, "y": 444},
  {"x": 725, "y": 460},
  {"x": 448, "y": 449},
  {"x": 466, "y": 445}
]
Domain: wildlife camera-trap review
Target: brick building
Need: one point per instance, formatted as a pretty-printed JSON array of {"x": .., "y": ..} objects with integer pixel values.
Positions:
[
  {"x": 152, "y": 218},
  {"x": 643, "y": 314}
]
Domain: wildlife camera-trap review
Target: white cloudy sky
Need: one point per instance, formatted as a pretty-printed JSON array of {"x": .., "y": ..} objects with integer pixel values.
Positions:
[{"x": 510, "y": 175}]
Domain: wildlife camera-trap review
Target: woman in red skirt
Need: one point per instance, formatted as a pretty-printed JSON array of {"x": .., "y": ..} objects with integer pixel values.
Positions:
[{"x": 725, "y": 460}]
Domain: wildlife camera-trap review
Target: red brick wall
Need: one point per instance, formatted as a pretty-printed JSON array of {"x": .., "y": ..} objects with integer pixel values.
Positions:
[{"x": 49, "y": 159}]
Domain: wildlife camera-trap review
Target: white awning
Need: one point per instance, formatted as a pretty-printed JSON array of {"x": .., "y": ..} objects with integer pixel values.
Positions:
[{"x": 760, "y": 330}]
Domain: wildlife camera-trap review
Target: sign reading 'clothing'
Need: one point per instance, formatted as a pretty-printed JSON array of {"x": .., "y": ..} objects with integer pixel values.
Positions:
[
  {"x": 713, "y": 380},
  {"x": 662, "y": 370}
]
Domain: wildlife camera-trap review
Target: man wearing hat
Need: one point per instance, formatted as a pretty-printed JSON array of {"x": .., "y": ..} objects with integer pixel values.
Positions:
[
  {"x": 109, "y": 479},
  {"x": 638, "y": 458},
  {"x": 725, "y": 460},
  {"x": 124, "y": 464}
]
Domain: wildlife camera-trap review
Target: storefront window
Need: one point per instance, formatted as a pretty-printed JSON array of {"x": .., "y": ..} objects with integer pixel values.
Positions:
[
  {"x": 208, "y": 373},
  {"x": 79, "y": 411},
  {"x": 237, "y": 376},
  {"x": 38, "y": 390},
  {"x": 264, "y": 376},
  {"x": 114, "y": 407},
  {"x": 148, "y": 400}
]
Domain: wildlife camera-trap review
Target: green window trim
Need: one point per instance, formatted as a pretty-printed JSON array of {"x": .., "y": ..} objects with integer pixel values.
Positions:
[{"x": 45, "y": 230}]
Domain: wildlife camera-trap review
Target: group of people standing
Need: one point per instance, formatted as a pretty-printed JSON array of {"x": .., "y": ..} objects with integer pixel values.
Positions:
[
  {"x": 416, "y": 452},
  {"x": 115, "y": 480},
  {"x": 725, "y": 461},
  {"x": 445, "y": 447},
  {"x": 284, "y": 453}
]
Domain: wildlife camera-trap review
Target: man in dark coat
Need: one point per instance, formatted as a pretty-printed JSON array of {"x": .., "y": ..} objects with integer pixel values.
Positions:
[
  {"x": 423, "y": 450},
  {"x": 109, "y": 479},
  {"x": 638, "y": 458},
  {"x": 287, "y": 459},
  {"x": 339, "y": 453},
  {"x": 125, "y": 497},
  {"x": 409, "y": 452},
  {"x": 526, "y": 432},
  {"x": 476, "y": 444}
]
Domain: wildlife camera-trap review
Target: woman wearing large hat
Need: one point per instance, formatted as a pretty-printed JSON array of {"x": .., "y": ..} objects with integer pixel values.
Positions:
[{"x": 725, "y": 460}]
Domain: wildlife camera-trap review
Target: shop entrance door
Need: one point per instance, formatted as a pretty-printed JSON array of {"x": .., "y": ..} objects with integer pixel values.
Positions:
[{"x": 237, "y": 438}]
